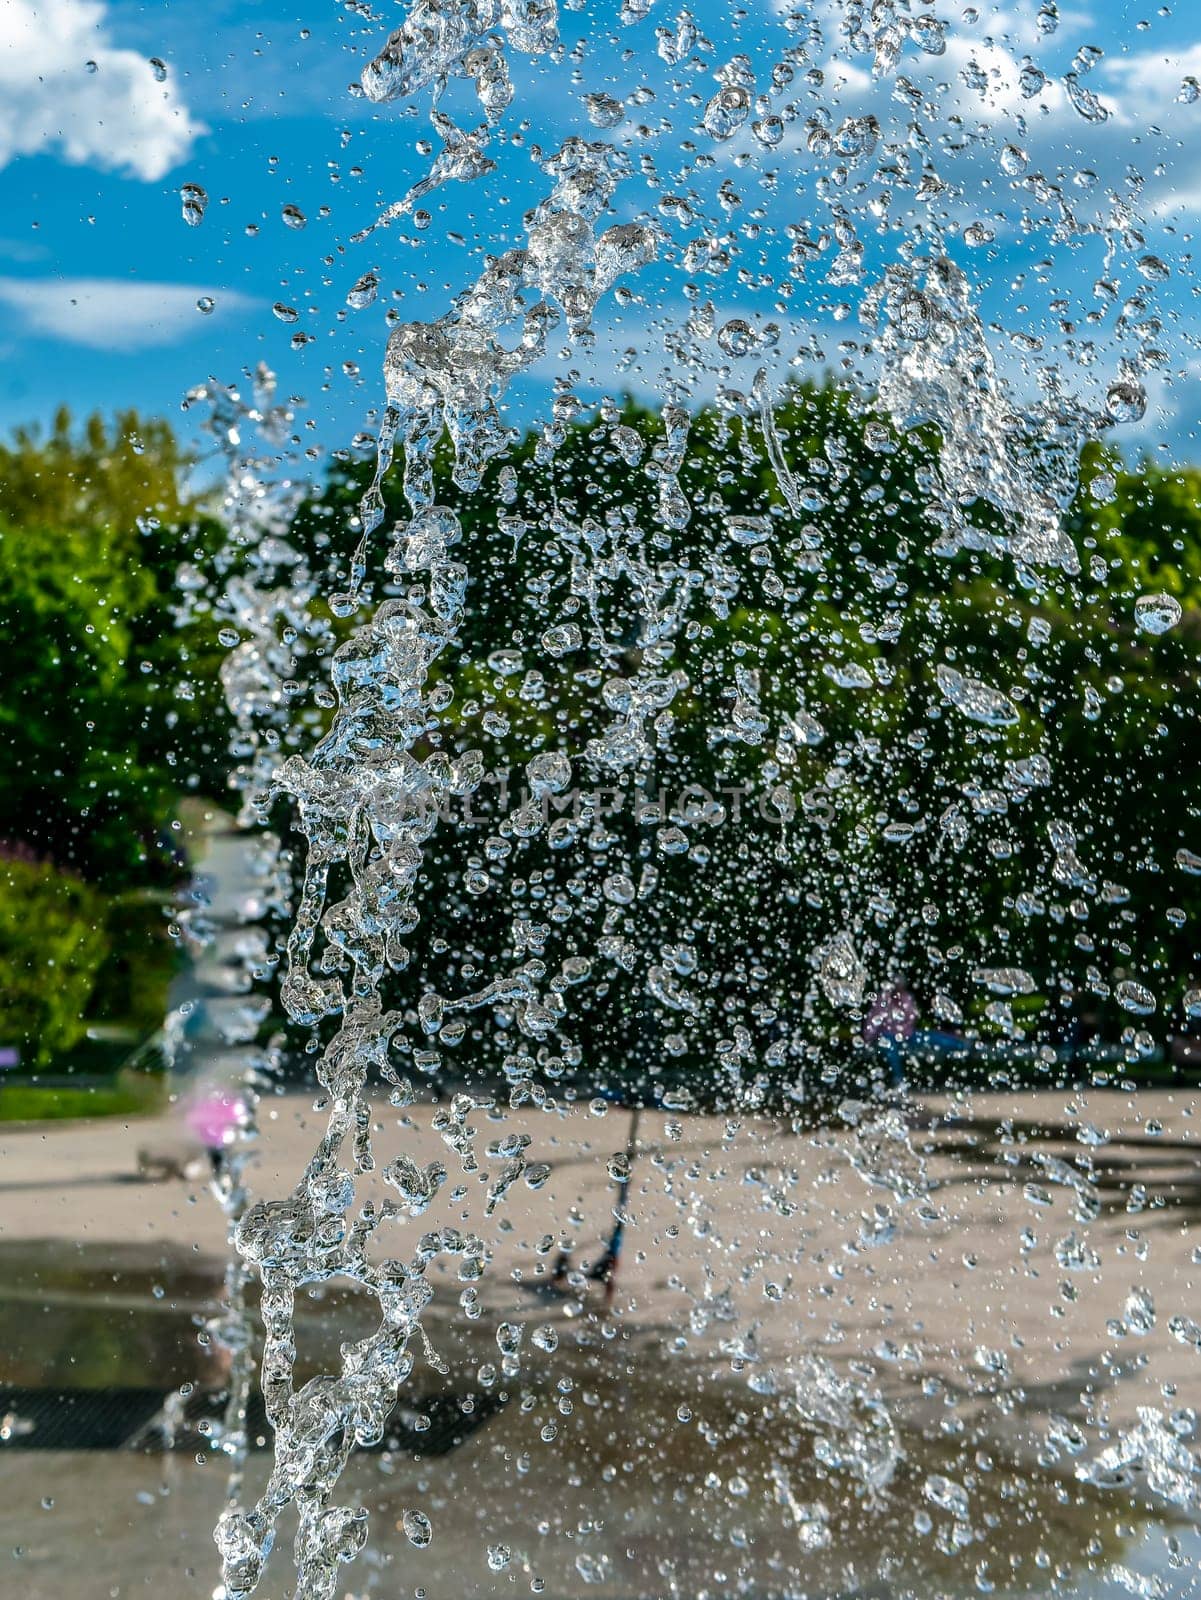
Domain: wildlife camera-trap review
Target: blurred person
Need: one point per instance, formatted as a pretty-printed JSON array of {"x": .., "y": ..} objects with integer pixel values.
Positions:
[
  {"x": 213, "y": 1113},
  {"x": 890, "y": 1024}
]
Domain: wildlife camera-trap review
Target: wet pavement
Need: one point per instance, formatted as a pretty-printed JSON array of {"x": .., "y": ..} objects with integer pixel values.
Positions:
[
  {"x": 625, "y": 1501},
  {"x": 809, "y": 1326}
]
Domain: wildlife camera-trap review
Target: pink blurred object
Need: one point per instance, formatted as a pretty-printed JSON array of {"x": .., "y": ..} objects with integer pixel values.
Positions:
[
  {"x": 213, "y": 1117},
  {"x": 892, "y": 1016}
]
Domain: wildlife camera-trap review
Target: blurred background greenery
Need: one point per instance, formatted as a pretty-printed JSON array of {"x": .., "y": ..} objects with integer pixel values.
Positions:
[{"x": 112, "y": 721}]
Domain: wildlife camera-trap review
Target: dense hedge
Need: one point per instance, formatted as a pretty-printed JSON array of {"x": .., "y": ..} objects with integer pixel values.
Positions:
[{"x": 53, "y": 944}]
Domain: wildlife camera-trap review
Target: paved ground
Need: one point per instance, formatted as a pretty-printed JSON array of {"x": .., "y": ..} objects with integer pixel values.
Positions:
[
  {"x": 976, "y": 1279},
  {"x": 793, "y": 1232}
]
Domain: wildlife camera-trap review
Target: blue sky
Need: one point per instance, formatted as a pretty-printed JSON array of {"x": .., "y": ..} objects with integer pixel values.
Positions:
[{"x": 100, "y": 276}]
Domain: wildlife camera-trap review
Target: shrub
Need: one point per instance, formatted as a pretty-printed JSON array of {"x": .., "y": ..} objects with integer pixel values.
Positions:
[{"x": 53, "y": 942}]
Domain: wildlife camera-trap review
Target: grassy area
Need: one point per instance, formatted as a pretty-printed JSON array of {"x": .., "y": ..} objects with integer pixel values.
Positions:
[{"x": 129, "y": 1094}]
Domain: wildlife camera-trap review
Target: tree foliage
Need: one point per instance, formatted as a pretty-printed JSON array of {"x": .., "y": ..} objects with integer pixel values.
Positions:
[
  {"x": 849, "y": 794},
  {"x": 104, "y": 716},
  {"x": 109, "y": 712},
  {"x": 53, "y": 944},
  {"x": 809, "y": 757}
]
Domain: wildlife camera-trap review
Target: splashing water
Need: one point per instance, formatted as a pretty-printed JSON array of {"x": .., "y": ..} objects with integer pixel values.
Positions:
[
  {"x": 265, "y": 602},
  {"x": 650, "y": 555}
]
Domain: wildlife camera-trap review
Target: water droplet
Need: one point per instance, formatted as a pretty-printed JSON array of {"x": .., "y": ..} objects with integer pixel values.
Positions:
[
  {"x": 1004, "y": 980},
  {"x": 418, "y": 1529},
  {"x": 735, "y": 337},
  {"x": 549, "y": 773},
  {"x": 1126, "y": 401},
  {"x": 769, "y": 131},
  {"x": 561, "y": 641},
  {"x": 1104, "y": 488},
  {"x": 1085, "y": 101},
  {"x": 1139, "y": 1311},
  {"x": 1014, "y": 160},
  {"x": 363, "y": 291},
  {"x": 1157, "y": 613},
  {"x": 159, "y": 69},
  {"x": 593, "y": 1568},
  {"x": 947, "y": 1494},
  {"x": 293, "y": 217},
  {"x": 727, "y": 112},
  {"x": 619, "y": 889},
  {"x": 193, "y": 202},
  {"x": 1031, "y": 80},
  {"x": 929, "y": 34},
  {"x": 842, "y": 974},
  {"x": 749, "y": 530},
  {"x": 603, "y": 110},
  {"x": 206, "y": 304},
  {"x": 975, "y": 699},
  {"x": 1135, "y": 998}
]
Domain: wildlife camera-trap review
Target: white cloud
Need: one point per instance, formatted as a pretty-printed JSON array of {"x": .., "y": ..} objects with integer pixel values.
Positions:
[
  {"x": 114, "y": 114},
  {"x": 1156, "y": 78},
  {"x": 113, "y": 313}
]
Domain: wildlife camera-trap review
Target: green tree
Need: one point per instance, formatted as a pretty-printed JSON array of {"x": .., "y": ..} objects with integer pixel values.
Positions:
[
  {"x": 1039, "y": 843},
  {"x": 109, "y": 708}
]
